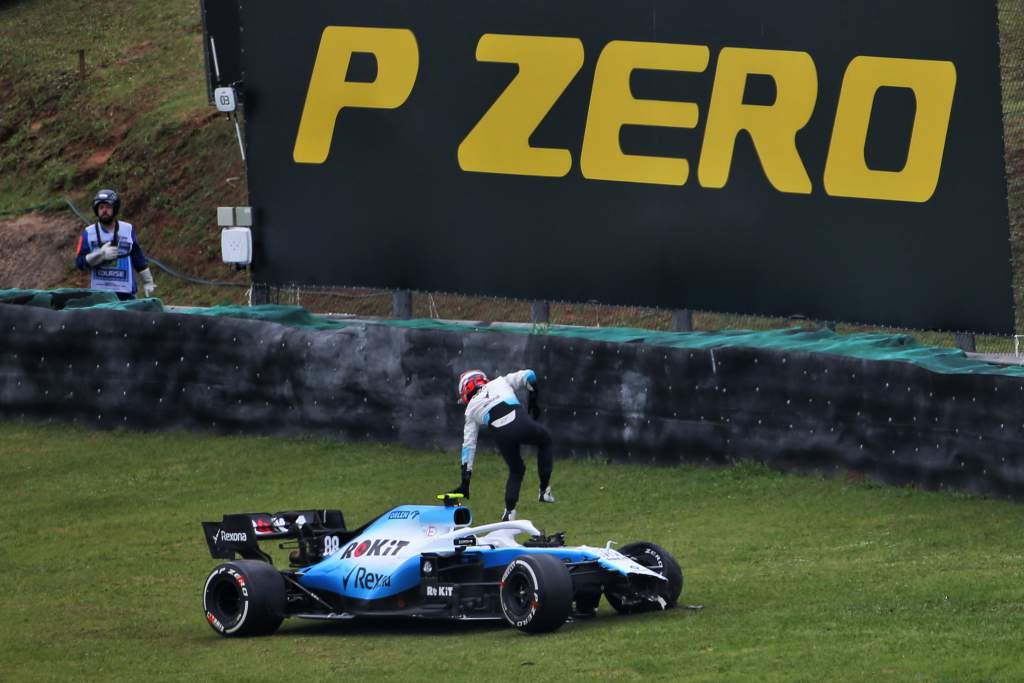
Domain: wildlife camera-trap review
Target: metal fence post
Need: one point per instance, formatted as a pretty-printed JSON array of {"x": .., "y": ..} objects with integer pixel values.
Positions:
[
  {"x": 965, "y": 341},
  {"x": 682, "y": 320},
  {"x": 540, "y": 312},
  {"x": 260, "y": 293},
  {"x": 401, "y": 304}
]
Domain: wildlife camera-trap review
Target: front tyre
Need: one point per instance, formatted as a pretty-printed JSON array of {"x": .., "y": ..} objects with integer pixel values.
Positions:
[
  {"x": 536, "y": 593},
  {"x": 244, "y": 598},
  {"x": 627, "y": 600}
]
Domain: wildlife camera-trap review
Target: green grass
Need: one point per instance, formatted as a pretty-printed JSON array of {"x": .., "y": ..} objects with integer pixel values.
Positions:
[{"x": 802, "y": 579}]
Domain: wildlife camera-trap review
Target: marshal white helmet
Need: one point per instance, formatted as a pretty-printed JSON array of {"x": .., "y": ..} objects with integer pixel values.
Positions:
[{"x": 106, "y": 197}]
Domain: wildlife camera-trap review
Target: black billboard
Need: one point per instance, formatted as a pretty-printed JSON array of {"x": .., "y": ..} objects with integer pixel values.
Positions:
[{"x": 842, "y": 161}]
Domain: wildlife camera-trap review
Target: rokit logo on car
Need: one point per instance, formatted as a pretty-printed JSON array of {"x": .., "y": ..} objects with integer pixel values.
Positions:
[
  {"x": 371, "y": 547},
  {"x": 439, "y": 591},
  {"x": 230, "y": 537},
  {"x": 366, "y": 580}
]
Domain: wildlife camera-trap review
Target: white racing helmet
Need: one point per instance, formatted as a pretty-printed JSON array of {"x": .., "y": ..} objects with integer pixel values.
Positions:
[{"x": 469, "y": 382}]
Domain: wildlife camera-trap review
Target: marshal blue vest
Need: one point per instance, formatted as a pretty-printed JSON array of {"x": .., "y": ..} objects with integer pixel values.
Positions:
[{"x": 115, "y": 275}]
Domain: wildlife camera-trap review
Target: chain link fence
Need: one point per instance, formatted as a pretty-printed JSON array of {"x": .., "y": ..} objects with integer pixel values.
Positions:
[{"x": 374, "y": 303}]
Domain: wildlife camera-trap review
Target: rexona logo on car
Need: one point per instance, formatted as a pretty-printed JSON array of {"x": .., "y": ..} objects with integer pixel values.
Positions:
[
  {"x": 499, "y": 142},
  {"x": 230, "y": 537},
  {"x": 404, "y": 514},
  {"x": 371, "y": 547},
  {"x": 365, "y": 579}
]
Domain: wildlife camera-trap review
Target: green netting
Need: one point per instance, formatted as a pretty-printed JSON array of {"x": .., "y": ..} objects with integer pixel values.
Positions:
[
  {"x": 864, "y": 346},
  {"x": 292, "y": 316},
  {"x": 68, "y": 298},
  {"x": 54, "y": 298},
  {"x": 144, "y": 305}
]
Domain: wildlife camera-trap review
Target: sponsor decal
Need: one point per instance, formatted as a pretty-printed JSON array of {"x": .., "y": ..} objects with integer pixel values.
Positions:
[
  {"x": 241, "y": 582},
  {"x": 499, "y": 143},
  {"x": 331, "y": 544},
  {"x": 659, "y": 564},
  {"x": 439, "y": 591},
  {"x": 112, "y": 274},
  {"x": 465, "y": 541},
  {"x": 381, "y": 547},
  {"x": 404, "y": 514},
  {"x": 430, "y": 531},
  {"x": 214, "y": 621},
  {"x": 361, "y": 577},
  {"x": 230, "y": 537}
]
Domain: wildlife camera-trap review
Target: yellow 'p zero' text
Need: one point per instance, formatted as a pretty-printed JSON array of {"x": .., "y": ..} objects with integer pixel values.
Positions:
[{"x": 500, "y": 141}]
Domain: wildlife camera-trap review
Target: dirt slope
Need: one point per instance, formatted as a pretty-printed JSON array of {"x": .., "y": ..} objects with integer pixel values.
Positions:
[{"x": 40, "y": 251}]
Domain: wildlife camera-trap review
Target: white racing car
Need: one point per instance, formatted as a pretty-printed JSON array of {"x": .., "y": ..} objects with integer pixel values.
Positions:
[{"x": 424, "y": 561}]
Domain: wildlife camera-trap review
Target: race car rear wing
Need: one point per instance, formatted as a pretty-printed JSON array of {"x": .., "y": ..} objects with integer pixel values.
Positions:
[{"x": 240, "y": 534}]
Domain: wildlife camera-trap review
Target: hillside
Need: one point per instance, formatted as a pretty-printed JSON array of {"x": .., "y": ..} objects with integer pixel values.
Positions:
[{"x": 137, "y": 120}]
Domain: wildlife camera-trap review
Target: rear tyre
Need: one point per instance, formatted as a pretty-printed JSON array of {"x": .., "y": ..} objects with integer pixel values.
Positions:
[
  {"x": 244, "y": 598},
  {"x": 536, "y": 593},
  {"x": 658, "y": 560}
]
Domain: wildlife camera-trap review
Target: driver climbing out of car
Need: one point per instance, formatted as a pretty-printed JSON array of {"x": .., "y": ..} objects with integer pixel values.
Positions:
[{"x": 494, "y": 404}]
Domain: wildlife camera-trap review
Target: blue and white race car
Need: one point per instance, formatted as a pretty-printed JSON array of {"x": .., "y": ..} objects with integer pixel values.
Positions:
[{"x": 423, "y": 561}]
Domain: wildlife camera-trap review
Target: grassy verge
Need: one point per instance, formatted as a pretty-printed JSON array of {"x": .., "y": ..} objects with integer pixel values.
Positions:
[
  {"x": 802, "y": 579},
  {"x": 137, "y": 119}
]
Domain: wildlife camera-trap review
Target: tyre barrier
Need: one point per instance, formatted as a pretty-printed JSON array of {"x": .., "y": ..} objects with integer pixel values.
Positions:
[{"x": 893, "y": 421}]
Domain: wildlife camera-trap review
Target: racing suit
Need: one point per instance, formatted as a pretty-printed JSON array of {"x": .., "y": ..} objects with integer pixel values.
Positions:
[{"x": 497, "y": 407}]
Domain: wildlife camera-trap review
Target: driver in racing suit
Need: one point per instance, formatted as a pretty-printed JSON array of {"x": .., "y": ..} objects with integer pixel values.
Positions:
[{"x": 495, "y": 405}]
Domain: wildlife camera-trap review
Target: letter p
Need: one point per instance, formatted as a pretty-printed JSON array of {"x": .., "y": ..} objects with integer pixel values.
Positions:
[{"x": 398, "y": 62}]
